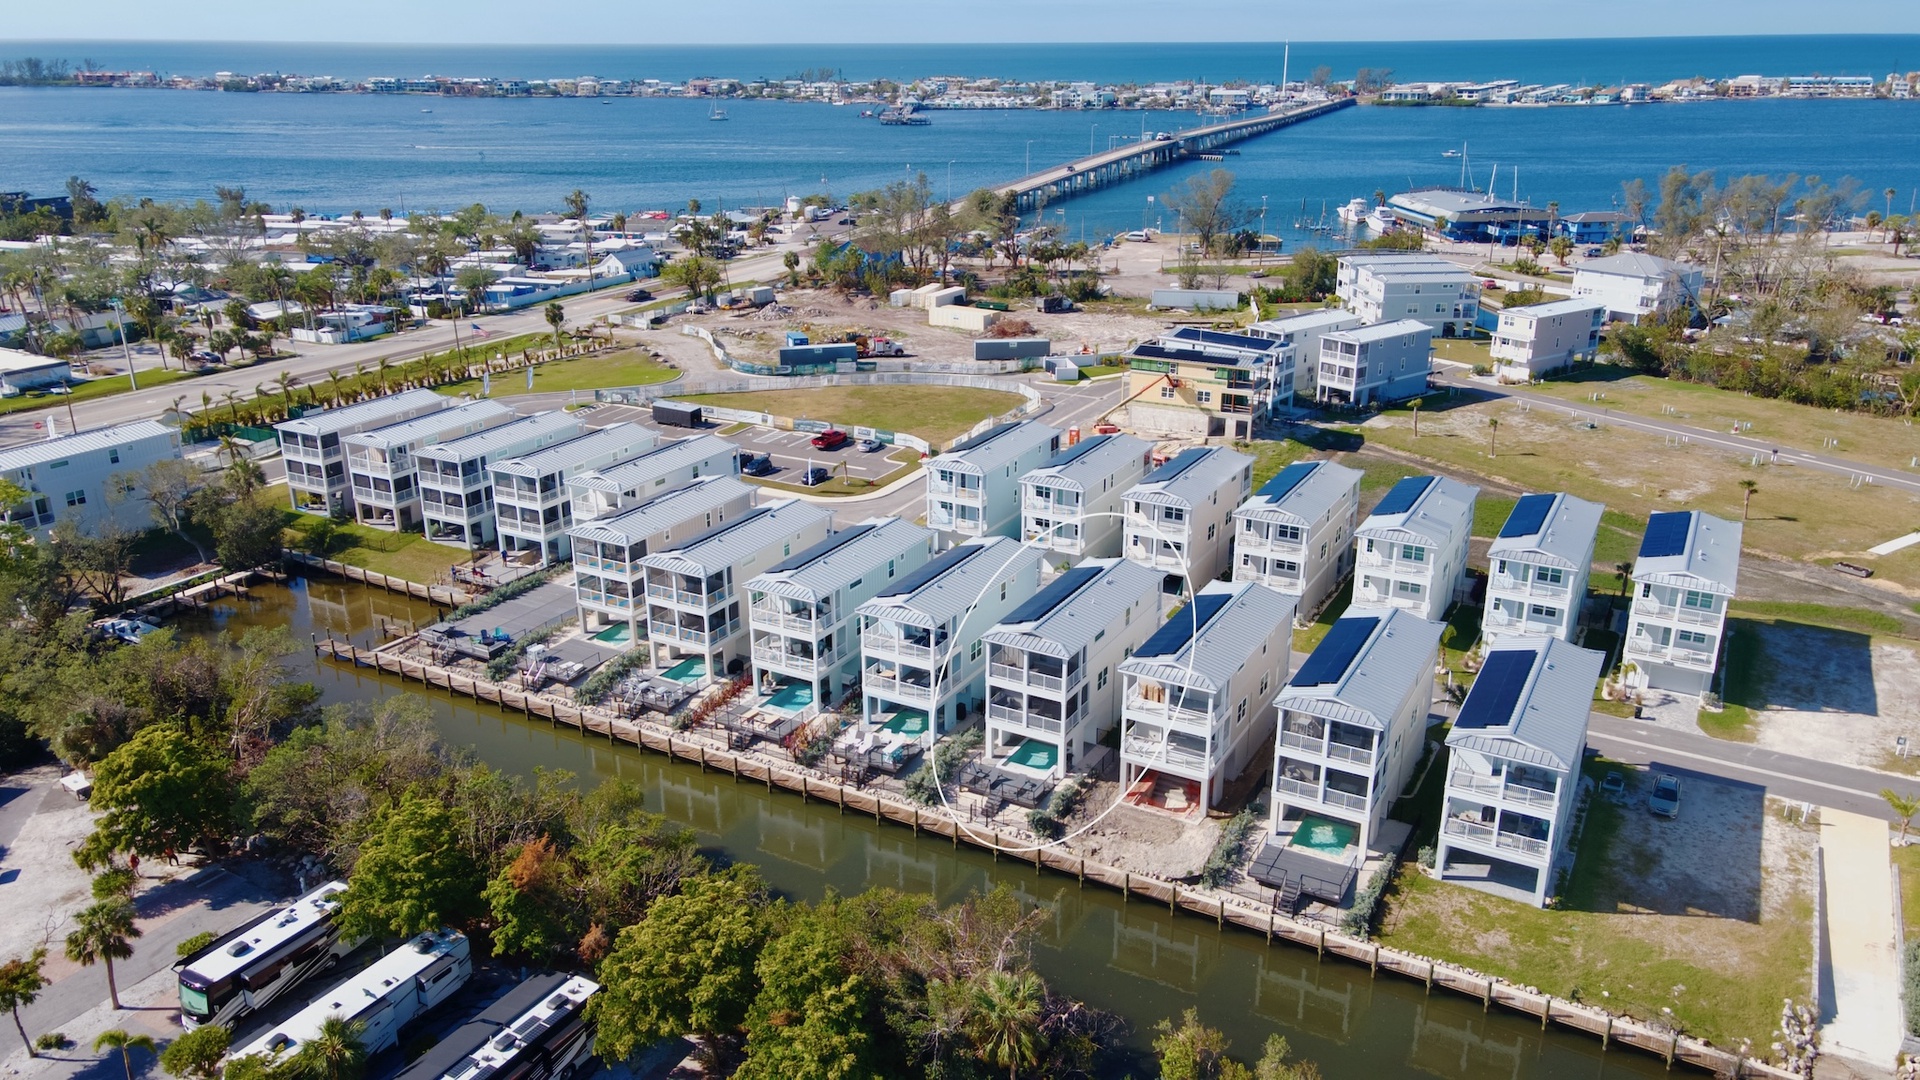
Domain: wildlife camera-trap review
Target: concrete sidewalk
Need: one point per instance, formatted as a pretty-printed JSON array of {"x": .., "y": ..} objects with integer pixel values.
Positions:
[{"x": 1862, "y": 1019}]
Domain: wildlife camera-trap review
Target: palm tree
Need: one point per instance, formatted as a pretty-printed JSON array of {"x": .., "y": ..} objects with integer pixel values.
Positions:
[
  {"x": 286, "y": 380},
  {"x": 231, "y": 399},
  {"x": 1004, "y": 1019},
  {"x": 384, "y": 367},
  {"x": 556, "y": 317},
  {"x": 1415, "y": 406},
  {"x": 103, "y": 933},
  {"x": 1904, "y": 808},
  {"x": 1747, "y": 487},
  {"x": 1625, "y": 570},
  {"x": 333, "y": 385},
  {"x": 577, "y": 206},
  {"x": 126, "y": 1044},
  {"x": 1493, "y": 429},
  {"x": 336, "y": 1053},
  {"x": 1889, "y": 213}
]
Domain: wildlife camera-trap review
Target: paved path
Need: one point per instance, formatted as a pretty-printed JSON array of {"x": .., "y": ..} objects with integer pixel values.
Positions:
[
  {"x": 1839, "y": 466},
  {"x": 1862, "y": 963}
]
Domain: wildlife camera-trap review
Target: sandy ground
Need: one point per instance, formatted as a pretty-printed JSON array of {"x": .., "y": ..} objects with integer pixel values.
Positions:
[
  {"x": 1141, "y": 840},
  {"x": 1837, "y": 696},
  {"x": 41, "y": 886}
]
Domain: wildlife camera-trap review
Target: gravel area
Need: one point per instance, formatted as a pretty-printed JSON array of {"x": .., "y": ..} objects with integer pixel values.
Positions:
[{"x": 1832, "y": 695}]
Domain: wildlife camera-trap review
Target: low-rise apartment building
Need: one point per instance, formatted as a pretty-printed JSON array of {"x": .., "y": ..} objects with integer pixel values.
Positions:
[
  {"x": 924, "y": 667},
  {"x": 317, "y": 461},
  {"x": 1295, "y": 534},
  {"x": 1634, "y": 287},
  {"x": 609, "y": 580},
  {"x": 608, "y": 491},
  {"x": 456, "y": 485},
  {"x": 1373, "y": 365},
  {"x": 1513, "y": 777},
  {"x": 1203, "y": 383},
  {"x": 1299, "y": 354},
  {"x": 1684, "y": 578},
  {"x": 1197, "y": 700},
  {"x": 94, "y": 479},
  {"x": 1179, "y": 520},
  {"x": 1353, "y": 721},
  {"x": 531, "y": 508},
  {"x": 973, "y": 489},
  {"x": 1537, "y": 568},
  {"x": 384, "y": 471},
  {"x": 696, "y": 606},
  {"x": 1387, "y": 286},
  {"x": 1412, "y": 550},
  {"x": 1073, "y": 503},
  {"x": 802, "y": 610},
  {"x": 1052, "y": 687},
  {"x": 1537, "y": 340}
]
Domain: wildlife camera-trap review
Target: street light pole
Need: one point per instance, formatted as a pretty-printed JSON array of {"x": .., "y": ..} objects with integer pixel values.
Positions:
[{"x": 120, "y": 327}]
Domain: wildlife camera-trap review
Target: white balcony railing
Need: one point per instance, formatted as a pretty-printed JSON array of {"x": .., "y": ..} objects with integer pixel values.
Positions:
[
  {"x": 1696, "y": 656},
  {"x": 772, "y": 618},
  {"x": 1488, "y": 835},
  {"x": 1007, "y": 714},
  {"x": 1359, "y": 755},
  {"x": 1028, "y": 677},
  {"x": 1155, "y": 752},
  {"x": 895, "y": 646},
  {"x": 1175, "y": 714},
  {"x": 1677, "y": 613},
  {"x": 1344, "y": 799},
  {"x": 790, "y": 661},
  {"x": 896, "y": 689},
  {"x": 1481, "y": 785}
]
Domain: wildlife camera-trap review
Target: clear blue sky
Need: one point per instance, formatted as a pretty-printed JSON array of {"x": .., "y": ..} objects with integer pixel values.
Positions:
[{"x": 775, "y": 21}]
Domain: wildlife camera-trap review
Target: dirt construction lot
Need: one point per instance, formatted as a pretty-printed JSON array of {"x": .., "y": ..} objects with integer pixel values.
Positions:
[{"x": 1834, "y": 695}]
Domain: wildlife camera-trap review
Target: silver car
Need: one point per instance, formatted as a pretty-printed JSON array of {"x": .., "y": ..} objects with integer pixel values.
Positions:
[{"x": 1664, "y": 799}]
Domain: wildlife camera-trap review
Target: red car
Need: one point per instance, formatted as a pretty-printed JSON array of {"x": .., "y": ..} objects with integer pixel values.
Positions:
[{"x": 830, "y": 439}]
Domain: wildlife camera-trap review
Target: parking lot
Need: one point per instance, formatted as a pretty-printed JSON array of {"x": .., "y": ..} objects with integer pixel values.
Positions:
[{"x": 792, "y": 454}]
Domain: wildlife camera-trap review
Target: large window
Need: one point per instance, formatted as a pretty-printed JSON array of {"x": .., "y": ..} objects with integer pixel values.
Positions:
[{"x": 1699, "y": 601}]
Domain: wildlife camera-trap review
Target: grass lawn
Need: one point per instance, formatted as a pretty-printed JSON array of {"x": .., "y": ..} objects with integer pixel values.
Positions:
[
  {"x": 1840, "y": 618},
  {"x": 410, "y": 556},
  {"x": 1464, "y": 351},
  {"x": 629, "y": 368},
  {"x": 1095, "y": 371},
  {"x": 1722, "y": 975},
  {"x": 907, "y": 459},
  {"x": 1874, "y": 439},
  {"x": 87, "y": 391},
  {"x": 1489, "y": 514},
  {"x": 1270, "y": 456},
  {"x": 935, "y": 413},
  {"x": 1907, "y": 859},
  {"x": 1304, "y": 640}
]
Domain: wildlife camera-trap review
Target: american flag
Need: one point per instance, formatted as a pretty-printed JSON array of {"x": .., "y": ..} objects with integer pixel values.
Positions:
[{"x": 477, "y": 331}]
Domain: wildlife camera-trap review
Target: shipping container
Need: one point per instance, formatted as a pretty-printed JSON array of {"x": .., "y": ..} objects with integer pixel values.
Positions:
[{"x": 675, "y": 414}]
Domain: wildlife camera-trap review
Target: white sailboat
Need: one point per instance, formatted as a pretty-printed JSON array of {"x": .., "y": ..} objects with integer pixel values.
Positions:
[{"x": 715, "y": 112}]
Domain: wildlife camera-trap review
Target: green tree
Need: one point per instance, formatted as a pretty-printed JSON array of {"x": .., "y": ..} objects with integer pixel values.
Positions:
[
  {"x": 196, "y": 1054},
  {"x": 1747, "y": 490},
  {"x": 1561, "y": 246},
  {"x": 1493, "y": 429},
  {"x": 412, "y": 875},
  {"x": 246, "y": 533},
  {"x": 1191, "y": 1050},
  {"x": 697, "y": 274},
  {"x": 125, "y": 1043},
  {"x": 556, "y": 318},
  {"x": 577, "y": 202},
  {"x": 21, "y": 980},
  {"x": 688, "y": 966},
  {"x": 791, "y": 260},
  {"x": 530, "y": 903},
  {"x": 168, "y": 487},
  {"x": 1205, "y": 207},
  {"x": 473, "y": 281},
  {"x": 337, "y": 1052},
  {"x": 162, "y": 791},
  {"x": 814, "y": 1016},
  {"x": 103, "y": 932},
  {"x": 1904, "y": 807},
  {"x": 114, "y": 883},
  {"x": 1003, "y": 1019}
]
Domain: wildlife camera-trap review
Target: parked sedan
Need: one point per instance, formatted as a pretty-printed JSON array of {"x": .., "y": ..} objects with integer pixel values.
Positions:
[
  {"x": 830, "y": 439},
  {"x": 1664, "y": 799},
  {"x": 638, "y": 295},
  {"x": 756, "y": 464},
  {"x": 816, "y": 476}
]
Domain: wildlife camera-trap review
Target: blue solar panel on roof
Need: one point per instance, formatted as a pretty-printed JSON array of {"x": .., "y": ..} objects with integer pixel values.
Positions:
[
  {"x": 822, "y": 549},
  {"x": 1077, "y": 451},
  {"x": 1336, "y": 651},
  {"x": 1666, "y": 534},
  {"x": 1181, "y": 462},
  {"x": 1528, "y": 515},
  {"x": 990, "y": 435},
  {"x": 1404, "y": 495},
  {"x": 1053, "y": 595},
  {"x": 1496, "y": 690},
  {"x": 1194, "y": 355},
  {"x": 1289, "y": 478},
  {"x": 931, "y": 570},
  {"x": 1215, "y": 337},
  {"x": 1185, "y": 625}
]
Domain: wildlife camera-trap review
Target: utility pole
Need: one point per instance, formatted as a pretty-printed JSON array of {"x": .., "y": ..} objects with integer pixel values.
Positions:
[{"x": 120, "y": 327}]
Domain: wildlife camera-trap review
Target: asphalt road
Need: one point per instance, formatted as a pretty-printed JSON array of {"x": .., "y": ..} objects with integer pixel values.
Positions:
[
  {"x": 1785, "y": 776},
  {"x": 1599, "y": 413}
]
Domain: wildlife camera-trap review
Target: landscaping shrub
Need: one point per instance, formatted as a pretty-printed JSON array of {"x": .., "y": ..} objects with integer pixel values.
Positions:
[
  {"x": 601, "y": 682},
  {"x": 193, "y": 944},
  {"x": 504, "y": 593},
  {"x": 500, "y": 667},
  {"x": 924, "y": 785},
  {"x": 1229, "y": 851},
  {"x": 1912, "y": 995},
  {"x": 1358, "y": 920}
]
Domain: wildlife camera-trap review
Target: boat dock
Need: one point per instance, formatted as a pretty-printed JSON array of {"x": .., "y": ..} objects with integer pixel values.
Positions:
[{"x": 1123, "y": 163}]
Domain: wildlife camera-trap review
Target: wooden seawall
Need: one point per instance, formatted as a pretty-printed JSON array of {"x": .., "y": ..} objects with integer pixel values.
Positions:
[{"x": 1224, "y": 910}]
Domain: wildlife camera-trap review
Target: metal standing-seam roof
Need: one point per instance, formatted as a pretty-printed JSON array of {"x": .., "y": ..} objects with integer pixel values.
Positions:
[
  {"x": 842, "y": 559},
  {"x": 946, "y": 587},
  {"x": 528, "y": 432},
  {"x": 1192, "y": 476},
  {"x": 663, "y": 459},
  {"x": 1235, "y": 620},
  {"x": 1304, "y": 492},
  {"x": 663, "y": 512},
  {"x": 1634, "y": 264},
  {"x": 367, "y": 414},
  {"x": 1690, "y": 550},
  {"x": 434, "y": 425},
  {"x": 1534, "y": 707},
  {"x": 725, "y": 545},
  {"x": 1088, "y": 461},
  {"x": 27, "y": 455},
  {"x": 1066, "y": 615},
  {"x": 1382, "y": 655},
  {"x": 1433, "y": 508},
  {"x": 1554, "y": 307},
  {"x": 619, "y": 439},
  {"x": 1001, "y": 445},
  {"x": 1549, "y": 530}
]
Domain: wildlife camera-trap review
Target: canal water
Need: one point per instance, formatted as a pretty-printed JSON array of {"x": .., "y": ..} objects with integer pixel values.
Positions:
[{"x": 1132, "y": 958}]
